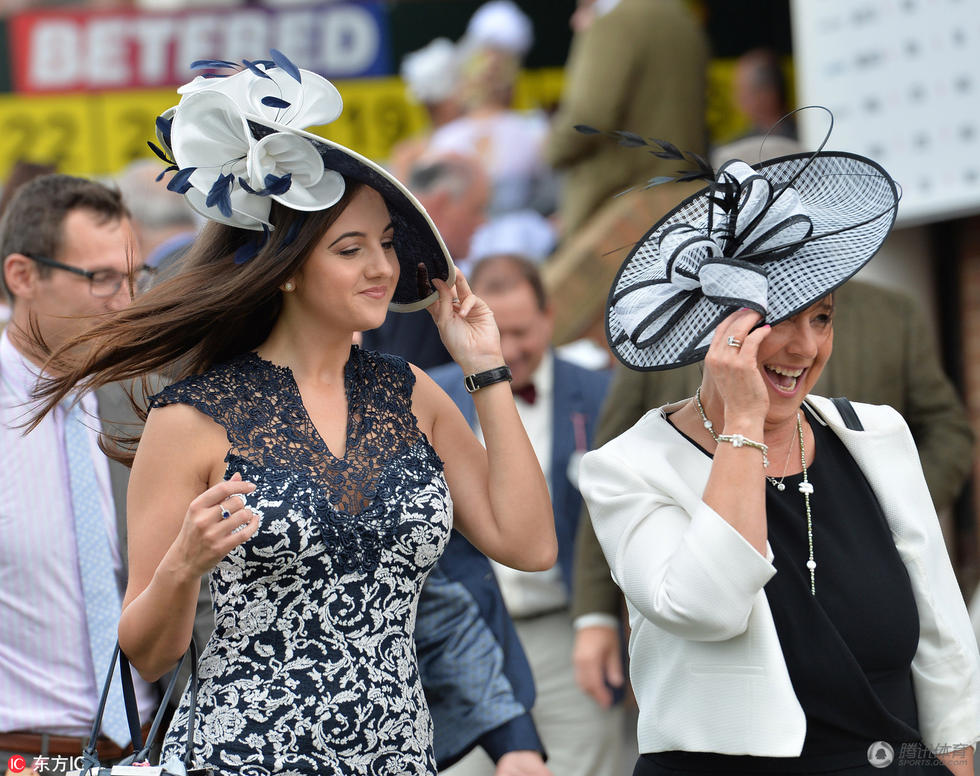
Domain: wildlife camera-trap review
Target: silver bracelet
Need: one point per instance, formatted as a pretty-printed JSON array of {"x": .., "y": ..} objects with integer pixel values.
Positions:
[{"x": 737, "y": 440}]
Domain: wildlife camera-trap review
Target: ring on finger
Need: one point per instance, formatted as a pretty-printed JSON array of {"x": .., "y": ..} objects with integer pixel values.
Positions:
[
  {"x": 455, "y": 300},
  {"x": 734, "y": 342},
  {"x": 225, "y": 514}
]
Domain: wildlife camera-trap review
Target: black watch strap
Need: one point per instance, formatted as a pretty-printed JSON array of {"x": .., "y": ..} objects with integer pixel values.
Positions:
[{"x": 480, "y": 380}]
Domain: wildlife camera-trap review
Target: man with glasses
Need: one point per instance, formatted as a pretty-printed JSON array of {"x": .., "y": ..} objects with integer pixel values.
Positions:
[
  {"x": 68, "y": 256},
  {"x": 105, "y": 283}
]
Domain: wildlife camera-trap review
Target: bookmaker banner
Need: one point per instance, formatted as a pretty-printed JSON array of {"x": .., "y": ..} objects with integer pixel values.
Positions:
[{"x": 78, "y": 50}]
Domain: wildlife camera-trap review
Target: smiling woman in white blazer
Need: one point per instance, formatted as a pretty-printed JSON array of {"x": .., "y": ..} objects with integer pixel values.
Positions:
[
  {"x": 791, "y": 603},
  {"x": 685, "y": 538}
]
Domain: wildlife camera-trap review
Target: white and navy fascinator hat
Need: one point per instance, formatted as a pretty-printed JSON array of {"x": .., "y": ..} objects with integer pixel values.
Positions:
[
  {"x": 775, "y": 238},
  {"x": 238, "y": 141}
]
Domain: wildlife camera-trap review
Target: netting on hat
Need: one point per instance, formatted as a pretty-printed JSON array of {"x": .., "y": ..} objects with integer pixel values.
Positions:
[{"x": 849, "y": 200}]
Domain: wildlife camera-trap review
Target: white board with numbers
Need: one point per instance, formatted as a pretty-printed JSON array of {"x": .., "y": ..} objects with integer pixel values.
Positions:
[{"x": 902, "y": 80}]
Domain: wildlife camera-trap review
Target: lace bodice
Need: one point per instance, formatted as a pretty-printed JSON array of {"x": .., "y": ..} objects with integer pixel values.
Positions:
[{"x": 312, "y": 666}]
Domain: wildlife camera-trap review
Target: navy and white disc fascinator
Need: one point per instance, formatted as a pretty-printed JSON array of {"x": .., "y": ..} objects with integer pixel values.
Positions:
[
  {"x": 239, "y": 141},
  {"x": 775, "y": 238}
]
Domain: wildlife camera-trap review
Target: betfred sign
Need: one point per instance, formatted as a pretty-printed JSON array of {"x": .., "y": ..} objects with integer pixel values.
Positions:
[{"x": 61, "y": 51}]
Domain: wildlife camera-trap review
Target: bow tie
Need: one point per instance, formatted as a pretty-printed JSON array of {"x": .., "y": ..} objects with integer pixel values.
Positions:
[{"x": 527, "y": 392}]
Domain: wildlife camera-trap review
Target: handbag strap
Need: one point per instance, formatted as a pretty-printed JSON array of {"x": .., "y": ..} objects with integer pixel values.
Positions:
[
  {"x": 90, "y": 753},
  {"x": 144, "y": 754},
  {"x": 192, "y": 712},
  {"x": 847, "y": 413}
]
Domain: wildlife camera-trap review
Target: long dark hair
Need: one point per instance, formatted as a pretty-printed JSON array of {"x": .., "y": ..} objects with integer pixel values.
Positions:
[{"x": 211, "y": 310}]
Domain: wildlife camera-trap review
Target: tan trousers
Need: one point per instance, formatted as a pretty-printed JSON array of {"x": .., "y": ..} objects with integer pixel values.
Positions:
[{"x": 581, "y": 738}]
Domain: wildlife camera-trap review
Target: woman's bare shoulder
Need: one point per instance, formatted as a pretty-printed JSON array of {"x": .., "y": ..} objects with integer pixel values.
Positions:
[{"x": 178, "y": 437}]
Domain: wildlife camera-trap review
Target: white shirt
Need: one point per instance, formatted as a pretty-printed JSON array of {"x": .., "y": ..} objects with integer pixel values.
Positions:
[
  {"x": 47, "y": 680},
  {"x": 527, "y": 593}
]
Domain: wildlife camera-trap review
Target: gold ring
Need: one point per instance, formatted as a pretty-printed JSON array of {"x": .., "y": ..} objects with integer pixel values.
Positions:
[{"x": 734, "y": 342}]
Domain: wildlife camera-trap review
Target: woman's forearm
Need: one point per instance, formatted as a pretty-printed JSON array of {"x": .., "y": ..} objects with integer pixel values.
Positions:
[
  {"x": 517, "y": 489},
  {"x": 156, "y": 627},
  {"x": 736, "y": 487}
]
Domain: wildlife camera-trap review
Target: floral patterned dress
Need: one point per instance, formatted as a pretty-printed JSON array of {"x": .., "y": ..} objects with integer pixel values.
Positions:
[{"x": 312, "y": 665}]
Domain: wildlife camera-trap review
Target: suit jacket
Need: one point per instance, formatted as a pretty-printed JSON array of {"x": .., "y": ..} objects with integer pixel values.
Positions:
[
  {"x": 577, "y": 397},
  {"x": 413, "y": 336},
  {"x": 641, "y": 67},
  {"x": 707, "y": 666},
  {"x": 881, "y": 355},
  {"x": 476, "y": 678}
]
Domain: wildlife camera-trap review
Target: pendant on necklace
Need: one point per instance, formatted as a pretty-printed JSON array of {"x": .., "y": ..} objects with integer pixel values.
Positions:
[{"x": 780, "y": 486}]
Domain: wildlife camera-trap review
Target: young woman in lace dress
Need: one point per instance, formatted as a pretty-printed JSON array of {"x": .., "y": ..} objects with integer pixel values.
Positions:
[{"x": 317, "y": 483}]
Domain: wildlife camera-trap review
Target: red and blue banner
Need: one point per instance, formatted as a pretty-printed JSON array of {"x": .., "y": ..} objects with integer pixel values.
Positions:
[{"x": 78, "y": 50}]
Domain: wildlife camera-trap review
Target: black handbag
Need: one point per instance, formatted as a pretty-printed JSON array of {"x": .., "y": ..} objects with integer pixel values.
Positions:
[{"x": 137, "y": 764}]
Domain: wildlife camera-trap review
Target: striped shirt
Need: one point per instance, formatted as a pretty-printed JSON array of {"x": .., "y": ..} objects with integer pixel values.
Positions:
[{"x": 47, "y": 680}]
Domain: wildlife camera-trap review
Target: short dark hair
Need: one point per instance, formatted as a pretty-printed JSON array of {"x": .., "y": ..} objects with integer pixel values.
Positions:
[
  {"x": 502, "y": 272},
  {"x": 32, "y": 223}
]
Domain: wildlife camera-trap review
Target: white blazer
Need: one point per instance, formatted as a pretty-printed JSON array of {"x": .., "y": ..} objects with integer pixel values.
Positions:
[{"x": 706, "y": 664}]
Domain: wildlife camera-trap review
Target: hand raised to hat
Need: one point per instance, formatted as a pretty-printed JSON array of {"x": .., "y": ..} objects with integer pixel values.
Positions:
[
  {"x": 732, "y": 364},
  {"x": 466, "y": 326}
]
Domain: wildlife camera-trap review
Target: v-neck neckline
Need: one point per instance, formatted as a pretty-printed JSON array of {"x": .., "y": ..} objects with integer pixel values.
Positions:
[{"x": 316, "y": 437}]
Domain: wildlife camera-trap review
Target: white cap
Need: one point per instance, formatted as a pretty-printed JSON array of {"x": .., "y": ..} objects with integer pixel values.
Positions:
[
  {"x": 500, "y": 24},
  {"x": 431, "y": 73},
  {"x": 521, "y": 233}
]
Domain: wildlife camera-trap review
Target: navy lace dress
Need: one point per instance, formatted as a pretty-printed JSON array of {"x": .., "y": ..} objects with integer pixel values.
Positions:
[{"x": 312, "y": 666}]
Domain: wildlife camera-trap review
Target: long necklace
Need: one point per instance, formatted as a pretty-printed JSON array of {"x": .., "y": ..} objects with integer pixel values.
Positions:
[{"x": 805, "y": 487}]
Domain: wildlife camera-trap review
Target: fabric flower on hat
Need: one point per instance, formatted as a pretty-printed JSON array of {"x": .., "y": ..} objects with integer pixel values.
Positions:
[
  {"x": 745, "y": 220},
  {"x": 230, "y": 175}
]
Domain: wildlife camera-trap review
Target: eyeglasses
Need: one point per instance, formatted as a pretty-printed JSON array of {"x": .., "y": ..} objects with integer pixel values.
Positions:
[{"x": 104, "y": 283}]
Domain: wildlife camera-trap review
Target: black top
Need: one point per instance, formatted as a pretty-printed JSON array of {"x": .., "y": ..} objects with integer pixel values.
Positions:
[{"x": 849, "y": 648}]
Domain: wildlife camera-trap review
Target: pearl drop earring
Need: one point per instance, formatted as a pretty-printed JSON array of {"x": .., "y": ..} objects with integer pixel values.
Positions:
[{"x": 288, "y": 286}]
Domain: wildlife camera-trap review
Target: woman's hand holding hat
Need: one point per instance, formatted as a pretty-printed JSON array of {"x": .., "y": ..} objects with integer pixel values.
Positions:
[
  {"x": 731, "y": 361},
  {"x": 467, "y": 326}
]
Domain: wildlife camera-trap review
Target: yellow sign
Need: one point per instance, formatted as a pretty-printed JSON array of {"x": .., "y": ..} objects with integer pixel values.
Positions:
[
  {"x": 98, "y": 134},
  {"x": 62, "y": 131}
]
